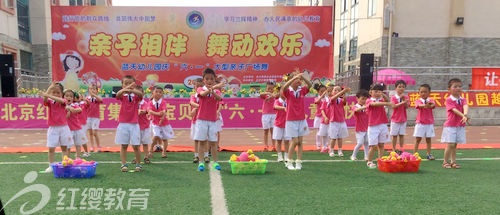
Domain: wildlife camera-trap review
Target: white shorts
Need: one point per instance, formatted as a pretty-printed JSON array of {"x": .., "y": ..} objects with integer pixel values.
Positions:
[
  {"x": 296, "y": 128},
  {"x": 453, "y": 135},
  {"x": 163, "y": 132},
  {"x": 268, "y": 120},
  {"x": 317, "y": 122},
  {"x": 85, "y": 127},
  {"x": 205, "y": 130},
  {"x": 219, "y": 123},
  {"x": 279, "y": 134},
  {"x": 323, "y": 130},
  {"x": 59, "y": 136},
  {"x": 128, "y": 133},
  {"x": 422, "y": 130},
  {"x": 93, "y": 123},
  {"x": 362, "y": 138},
  {"x": 79, "y": 137},
  {"x": 193, "y": 131},
  {"x": 146, "y": 136},
  {"x": 337, "y": 130},
  {"x": 378, "y": 134},
  {"x": 398, "y": 128}
]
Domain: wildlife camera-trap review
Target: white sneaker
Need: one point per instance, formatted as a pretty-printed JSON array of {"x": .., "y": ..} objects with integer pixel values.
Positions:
[
  {"x": 86, "y": 154},
  {"x": 289, "y": 165},
  {"x": 298, "y": 165},
  {"x": 341, "y": 154},
  {"x": 371, "y": 165},
  {"x": 353, "y": 158},
  {"x": 49, "y": 169},
  {"x": 332, "y": 154},
  {"x": 280, "y": 157}
]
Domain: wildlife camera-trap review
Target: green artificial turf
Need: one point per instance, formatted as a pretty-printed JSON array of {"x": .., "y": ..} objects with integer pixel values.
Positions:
[{"x": 320, "y": 188}]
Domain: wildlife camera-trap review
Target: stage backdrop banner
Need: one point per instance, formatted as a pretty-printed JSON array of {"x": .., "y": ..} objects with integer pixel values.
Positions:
[
  {"x": 173, "y": 45},
  {"x": 30, "y": 113}
]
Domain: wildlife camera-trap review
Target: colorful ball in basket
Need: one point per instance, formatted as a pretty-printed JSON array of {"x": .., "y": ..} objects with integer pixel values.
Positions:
[
  {"x": 405, "y": 162},
  {"x": 247, "y": 163}
]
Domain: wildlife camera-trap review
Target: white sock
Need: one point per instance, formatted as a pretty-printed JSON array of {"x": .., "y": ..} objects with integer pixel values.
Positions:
[
  {"x": 196, "y": 154},
  {"x": 206, "y": 154},
  {"x": 356, "y": 149},
  {"x": 340, "y": 150},
  {"x": 325, "y": 142},
  {"x": 286, "y": 155},
  {"x": 366, "y": 149},
  {"x": 318, "y": 141}
]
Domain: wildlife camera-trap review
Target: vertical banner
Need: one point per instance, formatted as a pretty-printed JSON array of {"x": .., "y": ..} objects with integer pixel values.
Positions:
[{"x": 171, "y": 46}]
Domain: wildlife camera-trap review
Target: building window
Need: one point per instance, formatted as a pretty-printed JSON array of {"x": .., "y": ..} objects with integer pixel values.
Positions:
[
  {"x": 342, "y": 50},
  {"x": 341, "y": 66},
  {"x": 93, "y": 2},
  {"x": 353, "y": 48},
  {"x": 343, "y": 5},
  {"x": 372, "y": 7},
  {"x": 26, "y": 60},
  {"x": 76, "y": 2},
  {"x": 23, "y": 20}
]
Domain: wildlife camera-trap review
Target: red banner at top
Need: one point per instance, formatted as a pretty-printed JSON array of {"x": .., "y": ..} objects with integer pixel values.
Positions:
[{"x": 174, "y": 44}]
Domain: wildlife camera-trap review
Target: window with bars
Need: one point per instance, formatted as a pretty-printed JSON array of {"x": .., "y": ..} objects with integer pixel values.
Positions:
[
  {"x": 353, "y": 48},
  {"x": 23, "y": 20}
]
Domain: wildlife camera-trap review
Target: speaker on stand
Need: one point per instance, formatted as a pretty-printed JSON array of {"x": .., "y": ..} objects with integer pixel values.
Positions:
[
  {"x": 8, "y": 76},
  {"x": 366, "y": 71}
]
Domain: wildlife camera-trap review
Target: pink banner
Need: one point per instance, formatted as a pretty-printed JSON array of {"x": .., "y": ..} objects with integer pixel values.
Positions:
[{"x": 29, "y": 113}]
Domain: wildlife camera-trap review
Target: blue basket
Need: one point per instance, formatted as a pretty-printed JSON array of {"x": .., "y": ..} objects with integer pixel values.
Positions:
[{"x": 74, "y": 171}]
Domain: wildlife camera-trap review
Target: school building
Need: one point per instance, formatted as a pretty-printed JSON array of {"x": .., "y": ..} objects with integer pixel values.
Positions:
[{"x": 26, "y": 33}]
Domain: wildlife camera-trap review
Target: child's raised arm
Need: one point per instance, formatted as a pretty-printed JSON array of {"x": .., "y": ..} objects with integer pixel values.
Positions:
[
  {"x": 99, "y": 99},
  {"x": 308, "y": 82},
  {"x": 277, "y": 107},
  {"x": 360, "y": 108},
  {"x": 317, "y": 100},
  {"x": 288, "y": 83},
  {"x": 346, "y": 90},
  {"x": 194, "y": 104}
]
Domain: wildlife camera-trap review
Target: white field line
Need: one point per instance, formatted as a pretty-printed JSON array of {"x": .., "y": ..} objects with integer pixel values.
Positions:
[
  {"x": 217, "y": 192},
  {"x": 270, "y": 161}
]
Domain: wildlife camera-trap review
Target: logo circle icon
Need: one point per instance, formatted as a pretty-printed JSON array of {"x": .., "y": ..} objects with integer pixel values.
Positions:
[{"x": 195, "y": 19}]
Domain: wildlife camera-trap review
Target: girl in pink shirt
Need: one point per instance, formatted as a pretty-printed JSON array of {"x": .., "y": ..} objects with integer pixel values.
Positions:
[
  {"x": 424, "y": 125},
  {"x": 206, "y": 128},
  {"x": 162, "y": 131},
  {"x": 454, "y": 127},
  {"x": 94, "y": 120},
  {"x": 58, "y": 134},
  {"x": 268, "y": 114},
  {"x": 279, "y": 129},
  {"x": 144, "y": 125},
  {"x": 325, "y": 119},
  {"x": 378, "y": 134},
  {"x": 194, "y": 102},
  {"x": 398, "y": 118},
  {"x": 296, "y": 125},
  {"x": 75, "y": 126},
  {"x": 337, "y": 129},
  {"x": 318, "y": 101},
  {"x": 82, "y": 118},
  {"x": 361, "y": 118}
]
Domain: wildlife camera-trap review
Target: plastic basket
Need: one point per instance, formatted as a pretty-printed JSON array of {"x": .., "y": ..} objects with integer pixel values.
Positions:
[
  {"x": 248, "y": 168},
  {"x": 74, "y": 171},
  {"x": 398, "y": 166}
]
